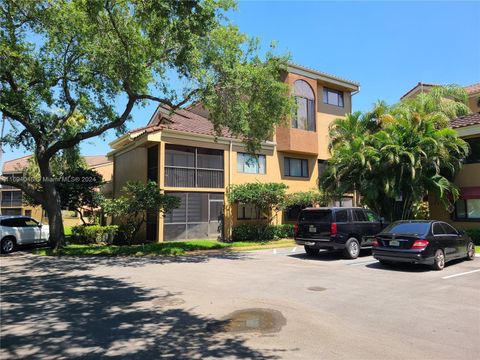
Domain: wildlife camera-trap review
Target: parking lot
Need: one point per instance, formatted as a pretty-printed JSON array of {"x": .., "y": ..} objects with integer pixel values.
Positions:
[{"x": 270, "y": 304}]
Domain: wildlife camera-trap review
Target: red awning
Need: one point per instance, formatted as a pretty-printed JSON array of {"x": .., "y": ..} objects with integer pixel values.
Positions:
[{"x": 472, "y": 192}]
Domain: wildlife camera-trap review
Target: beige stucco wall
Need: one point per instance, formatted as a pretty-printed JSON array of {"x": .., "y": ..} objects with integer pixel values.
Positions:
[
  {"x": 130, "y": 165},
  {"x": 469, "y": 176}
]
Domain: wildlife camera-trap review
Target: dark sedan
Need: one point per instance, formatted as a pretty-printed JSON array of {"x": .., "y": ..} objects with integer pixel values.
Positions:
[{"x": 427, "y": 242}]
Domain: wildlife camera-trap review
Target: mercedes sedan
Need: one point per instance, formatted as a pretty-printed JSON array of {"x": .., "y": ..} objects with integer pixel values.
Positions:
[{"x": 427, "y": 242}]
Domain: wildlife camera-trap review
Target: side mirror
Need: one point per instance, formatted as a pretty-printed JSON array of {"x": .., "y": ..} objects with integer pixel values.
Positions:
[
  {"x": 40, "y": 225},
  {"x": 461, "y": 232},
  {"x": 382, "y": 219}
]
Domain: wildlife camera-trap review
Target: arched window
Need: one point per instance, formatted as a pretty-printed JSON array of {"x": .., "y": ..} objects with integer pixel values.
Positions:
[{"x": 305, "y": 97}]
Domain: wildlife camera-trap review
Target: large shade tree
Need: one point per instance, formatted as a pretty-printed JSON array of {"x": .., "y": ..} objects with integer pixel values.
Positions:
[
  {"x": 71, "y": 70},
  {"x": 394, "y": 156}
]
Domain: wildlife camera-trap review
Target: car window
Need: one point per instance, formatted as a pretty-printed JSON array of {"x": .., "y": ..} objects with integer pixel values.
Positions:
[
  {"x": 341, "y": 216},
  {"x": 419, "y": 228},
  {"x": 448, "y": 229},
  {"x": 14, "y": 222},
  {"x": 31, "y": 223},
  {"x": 359, "y": 215},
  {"x": 371, "y": 216},
  {"x": 437, "y": 229},
  {"x": 316, "y": 215}
]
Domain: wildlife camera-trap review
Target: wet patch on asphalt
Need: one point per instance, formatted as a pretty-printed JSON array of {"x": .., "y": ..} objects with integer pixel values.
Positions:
[{"x": 256, "y": 320}]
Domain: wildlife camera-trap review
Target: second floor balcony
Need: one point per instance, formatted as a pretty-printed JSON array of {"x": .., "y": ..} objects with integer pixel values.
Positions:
[
  {"x": 192, "y": 167},
  {"x": 11, "y": 198}
]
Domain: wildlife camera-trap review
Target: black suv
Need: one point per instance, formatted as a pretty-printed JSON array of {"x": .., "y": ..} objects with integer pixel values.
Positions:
[{"x": 337, "y": 228}]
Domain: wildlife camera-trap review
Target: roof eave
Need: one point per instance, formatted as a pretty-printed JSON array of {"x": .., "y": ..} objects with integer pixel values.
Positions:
[{"x": 317, "y": 75}]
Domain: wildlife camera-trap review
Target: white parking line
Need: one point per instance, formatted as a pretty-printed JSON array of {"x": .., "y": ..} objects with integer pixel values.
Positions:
[
  {"x": 464, "y": 273},
  {"x": 274, "y": 251},
  {"x": 363, "y": 263},
  {"x": 294, "y": 249}
]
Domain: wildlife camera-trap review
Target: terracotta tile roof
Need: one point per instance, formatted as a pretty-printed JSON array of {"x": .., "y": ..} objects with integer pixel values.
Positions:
[
  {"x": 473, "y": 89},
  {"x": 96, "y": 160},
  {"x": 17, "y": 165},
  {"x": 467, "y": 120},
  {"x": 419, "y": 85},
  {"x": 180, "y": 120}
]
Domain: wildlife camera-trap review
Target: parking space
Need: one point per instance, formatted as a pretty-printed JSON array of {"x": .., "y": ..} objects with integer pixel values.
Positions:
[{"x": 269, "y": 304}]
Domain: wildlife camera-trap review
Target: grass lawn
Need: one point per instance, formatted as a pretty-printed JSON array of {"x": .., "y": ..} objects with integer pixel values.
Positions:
[
  {"x": 477, "y": 249},
  {"x": 67, "y": 230},
  {"x": 166, "y": 248}
]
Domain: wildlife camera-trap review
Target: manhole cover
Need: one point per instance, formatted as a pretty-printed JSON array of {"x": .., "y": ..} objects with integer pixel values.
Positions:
[
  {"x": 316, "y": 288},
  {"x": 254, "y": 320}
]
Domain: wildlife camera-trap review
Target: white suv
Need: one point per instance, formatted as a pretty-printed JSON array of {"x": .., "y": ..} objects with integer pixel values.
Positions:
[{"x": 21, "y": 230}]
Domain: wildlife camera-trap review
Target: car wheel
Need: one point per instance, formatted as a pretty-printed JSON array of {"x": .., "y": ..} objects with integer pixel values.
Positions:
[
  {"x": 470, "y": 251},
  {"x": 352, "y": 248},
  {"x": 7, "y": 245},
  {"x": 439, "y": 260},
  {"x": 311, "y": 250}
]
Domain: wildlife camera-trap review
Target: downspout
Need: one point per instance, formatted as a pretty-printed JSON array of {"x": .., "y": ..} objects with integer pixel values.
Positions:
[{"x": 355, "y": 195}]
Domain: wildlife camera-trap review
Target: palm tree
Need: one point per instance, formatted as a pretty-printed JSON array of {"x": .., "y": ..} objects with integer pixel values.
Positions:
[{"x": 409, "y": 153}]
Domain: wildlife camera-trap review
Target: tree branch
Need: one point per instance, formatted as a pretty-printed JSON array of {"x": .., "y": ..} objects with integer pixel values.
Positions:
[
  {"x": 25, "y": 187},
  {"x": 63, "y": 144},
  {"x": 168, "y": 102}
]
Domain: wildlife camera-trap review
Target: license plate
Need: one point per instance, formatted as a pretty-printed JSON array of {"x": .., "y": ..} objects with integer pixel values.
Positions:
[
  {"x": 312, "y": 229},
  {"x": 394, "y": 243}
]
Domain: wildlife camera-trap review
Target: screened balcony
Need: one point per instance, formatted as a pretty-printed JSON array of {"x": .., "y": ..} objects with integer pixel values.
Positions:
[
  {"x": 193, "y": 167},
  {"x": 11, "y": 198}
]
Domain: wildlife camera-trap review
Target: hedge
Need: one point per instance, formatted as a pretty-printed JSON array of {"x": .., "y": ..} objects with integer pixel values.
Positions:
[
  {"x": 474, "y": 234},
  {"x": 87, "y": 234},
  {"x": 262, "y": 232}
]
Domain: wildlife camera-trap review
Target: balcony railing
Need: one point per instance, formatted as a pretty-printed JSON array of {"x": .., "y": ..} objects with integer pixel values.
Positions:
[{"x": 194, "y": 178}]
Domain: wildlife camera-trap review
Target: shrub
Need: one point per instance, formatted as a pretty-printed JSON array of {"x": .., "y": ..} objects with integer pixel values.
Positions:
[
  {"x": 284, "y": 231},
  {"x": 87, "y": 234},
  {"x": 261, "y": 232},
  {"x": 474, "y": 234}
]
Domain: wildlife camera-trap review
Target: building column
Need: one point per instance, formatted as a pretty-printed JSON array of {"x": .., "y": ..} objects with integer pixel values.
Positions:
[{"x": 161, "y": 184}]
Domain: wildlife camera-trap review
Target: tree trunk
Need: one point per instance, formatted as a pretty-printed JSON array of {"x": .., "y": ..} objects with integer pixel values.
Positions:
[{"x": 52, "y": 205}]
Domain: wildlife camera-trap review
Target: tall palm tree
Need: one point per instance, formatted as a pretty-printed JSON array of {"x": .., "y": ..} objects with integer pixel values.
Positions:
[{"x": 411, "y": 153}]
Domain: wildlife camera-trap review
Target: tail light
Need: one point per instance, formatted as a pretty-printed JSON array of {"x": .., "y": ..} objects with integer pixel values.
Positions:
[
  {"x": 375, "y": 243},
  {"x": 295, "y": 229},
  {"x": 420, "y": 244},
  {"x": 333, "y": 229}
]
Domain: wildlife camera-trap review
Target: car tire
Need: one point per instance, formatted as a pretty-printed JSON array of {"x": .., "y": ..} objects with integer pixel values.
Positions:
[
  {"x": 311, "y": 250},
  {"x": 8, "y": 245},
  {"x": 352, "y": 248},
  {"x": 470, "y": 251},
  {"x": 438, "y": 260}
]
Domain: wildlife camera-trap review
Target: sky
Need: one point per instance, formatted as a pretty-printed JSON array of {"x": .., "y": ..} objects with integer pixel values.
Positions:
[{"x": 388, "y": 47}]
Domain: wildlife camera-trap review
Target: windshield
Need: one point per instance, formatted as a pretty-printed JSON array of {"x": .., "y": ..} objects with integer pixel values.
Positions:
[
  {"x": 407, "y": 228},
  {"x": 316, "y": 215}
]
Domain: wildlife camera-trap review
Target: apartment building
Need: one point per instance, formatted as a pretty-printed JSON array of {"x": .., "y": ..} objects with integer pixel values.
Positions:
[
  {"x": 180, "y": 152},
  {"x": 12, "y": 198},
  {"x": 466, "y": 211}
]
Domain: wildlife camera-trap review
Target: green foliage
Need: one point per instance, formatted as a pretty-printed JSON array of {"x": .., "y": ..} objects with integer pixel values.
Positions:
[
  {"x": 306, "y": 198},
  {"x": 173, "y": 248},
  {"x": 131, "y": 207},
  {"x": 269, "y": 198},
  {"x": 474, "y": 234},
  {"x": 87, "y": 234},
  {"x": 261, "y": 232},
  {"x": 71, "y": 70},
  {"x": 395, "y": 155}
]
